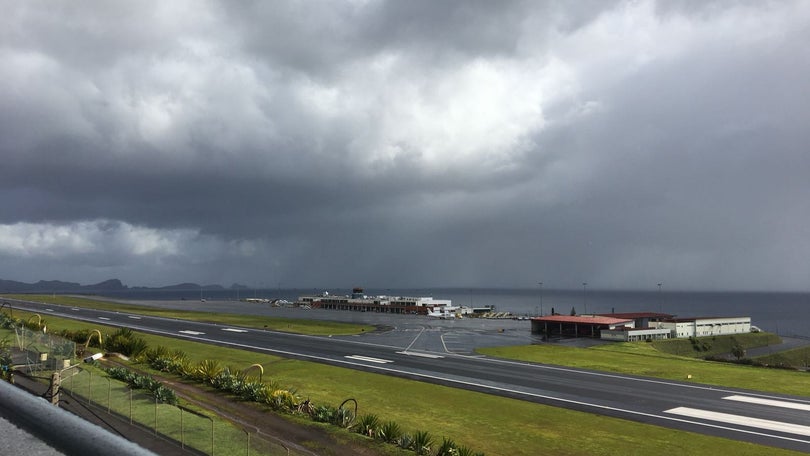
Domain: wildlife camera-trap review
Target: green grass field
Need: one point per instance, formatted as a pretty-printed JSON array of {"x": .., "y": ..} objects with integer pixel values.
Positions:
[
  {"x": 501, "y": 426},
  {"x": 644, "y": 359},
  {"x": 298, "y": 326}
]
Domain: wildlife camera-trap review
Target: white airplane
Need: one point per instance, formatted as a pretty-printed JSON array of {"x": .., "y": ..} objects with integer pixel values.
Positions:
[{"x": 441, "y": 313}]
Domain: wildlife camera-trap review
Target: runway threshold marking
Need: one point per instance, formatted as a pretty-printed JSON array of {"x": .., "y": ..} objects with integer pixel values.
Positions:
[
  {"x": 235, "y": 330},
  {"x": 740, "y": 420},
  {"x": 369, "y": 359},
  {"x": 423, "y": 355},
  {"x": 769, "y": 402},
  {"x": 193, "y": 333}
]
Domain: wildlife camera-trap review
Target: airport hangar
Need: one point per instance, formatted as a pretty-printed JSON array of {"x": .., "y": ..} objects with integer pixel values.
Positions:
[{"x": 630, "y": 327}]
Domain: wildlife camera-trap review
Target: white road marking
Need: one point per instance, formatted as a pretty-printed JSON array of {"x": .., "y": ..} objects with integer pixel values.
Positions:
[
  {"x": 740, "y": 420},
  {"x": 235, "y": 330},
  {"x": 369, "y": 359},
  {"x": 103, "y": 318},
  {"x": 134, "y": 317},
  {"x": 770, "y": 402},
  {"x": 49, "y": 310},
  {"x": 423, "y": 355},
  {"x": 74, "y": 308},
  {"x": 193, "y": 333}
]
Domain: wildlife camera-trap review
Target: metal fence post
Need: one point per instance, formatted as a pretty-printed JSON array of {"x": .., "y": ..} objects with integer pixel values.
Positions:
[
  {"x": 109, "y": 394},
  {"x": 182, "y": 444},
  {"x": 130, "y": 406},
  {"x": 212, "y": 435},
  {"x": 156, "y": 404},
  {"x": 89, "y": 387},
  {"x": 247, "y": 445}
]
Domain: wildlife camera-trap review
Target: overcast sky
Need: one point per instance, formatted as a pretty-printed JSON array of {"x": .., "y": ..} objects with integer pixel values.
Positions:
[{"x": 407, "y": 143}]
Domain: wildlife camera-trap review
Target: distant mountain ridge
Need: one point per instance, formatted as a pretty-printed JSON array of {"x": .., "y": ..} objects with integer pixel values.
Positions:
[{"x": 58, "y": 286}]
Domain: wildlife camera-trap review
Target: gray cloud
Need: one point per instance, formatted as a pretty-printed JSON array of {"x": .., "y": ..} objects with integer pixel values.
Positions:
[{"x": 406, "y": 143}]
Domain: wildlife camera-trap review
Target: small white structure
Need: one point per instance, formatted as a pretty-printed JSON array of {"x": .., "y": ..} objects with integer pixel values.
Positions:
[
  {"x": 635, "y": 334},
  {"x": 707, "y": 326}
]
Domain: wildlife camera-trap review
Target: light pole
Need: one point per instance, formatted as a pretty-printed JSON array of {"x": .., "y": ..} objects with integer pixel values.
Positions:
[
  {"x": 584, "y": 299},
  {"x": 660, "y": 302},
  {"x": 541, "y": 298}
]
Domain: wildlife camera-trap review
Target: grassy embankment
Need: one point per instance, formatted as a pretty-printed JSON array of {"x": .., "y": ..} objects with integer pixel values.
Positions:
[
  {"x": 644, "y": 359},
  {"x": 498, "y": 425},
  {"x": 299, "y": 326}
]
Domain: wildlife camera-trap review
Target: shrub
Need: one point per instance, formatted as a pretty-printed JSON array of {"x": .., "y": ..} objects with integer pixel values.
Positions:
[
  {"x": 422, "y": 441},
  {"x": 389, "y": 432},
  {"x": 125, "y": 341},
  {"x": 367, "y": 425},
  {"x": 405, "y": 441},
  {"x": 447, "y": 448},
  {"x": 343, "y": 417},
  {"x": 207, "y": 371},
  {"x": 138, "y": 381}
]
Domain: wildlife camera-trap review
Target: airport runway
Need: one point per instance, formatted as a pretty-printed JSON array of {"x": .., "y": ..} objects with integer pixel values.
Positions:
[{"x": 440, "y": 352}]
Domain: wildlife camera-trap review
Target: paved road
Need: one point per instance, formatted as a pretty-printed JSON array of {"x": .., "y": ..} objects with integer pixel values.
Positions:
[{"x": 438, "y": 352}]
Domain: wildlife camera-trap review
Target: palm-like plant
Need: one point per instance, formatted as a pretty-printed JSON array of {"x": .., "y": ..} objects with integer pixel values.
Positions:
[
  {"x": 389, "y": 432},
  {"x": 207, "y": 371},
  {"x": 447, "y": 448},
  {"x": 422, "y": 441},
  {"x": 368, "y": 424}
]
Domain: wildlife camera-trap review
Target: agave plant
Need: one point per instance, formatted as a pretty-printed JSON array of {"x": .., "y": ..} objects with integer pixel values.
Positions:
[
  {"x": 207, "y": 370},
  {"x": 252, "y": 391},
  {"x": 447, "y": 448},
  {"x": 405, "y": 441},
  {"x": 368, "y": 424},
  {"x": 422, "y": 441},
  {"x": 343, "y": 417},
  {"x": 464, "y": 451},
  {"x": 389, "y": 432},
  {"x": 324, "y": 414}
]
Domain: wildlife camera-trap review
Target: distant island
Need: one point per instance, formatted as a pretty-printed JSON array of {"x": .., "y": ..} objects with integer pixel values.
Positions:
[{"x": 57, "y": 286}]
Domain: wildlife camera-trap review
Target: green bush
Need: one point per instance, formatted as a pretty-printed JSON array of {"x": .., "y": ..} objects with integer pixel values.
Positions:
[
  {"x": 367, "y": 425},
  {"x": 422, "y": 442},
  {"x": 389, "y": 432}
]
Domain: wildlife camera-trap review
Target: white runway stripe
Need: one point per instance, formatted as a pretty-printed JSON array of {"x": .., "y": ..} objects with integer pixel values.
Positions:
[
  {"x": 770, "y": 402},
  {"x": 235, "y": 330},
  {"x": 193, "y": 333},
  {"x": 423, "y": 355},
  {"x": 777, "y": 426},
  {"x": 369, "y": 359}
]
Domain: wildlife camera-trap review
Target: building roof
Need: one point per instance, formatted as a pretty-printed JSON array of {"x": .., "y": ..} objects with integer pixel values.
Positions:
[
  {"x": 688, "y": 319},
  {"x": 593, "y": 320},
  {"x": 634, "y": 315}
]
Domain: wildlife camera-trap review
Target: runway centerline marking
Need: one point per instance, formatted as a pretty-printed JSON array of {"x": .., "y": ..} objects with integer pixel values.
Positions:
[
  {"x": 49, "y": 310},
  {"x": 740, "y": 420},
  {"x": 769, "y": 402},
  {"x": 369, "y": 359},
  {"x": 193, "y": 333},
  {"x": 134, "y": 317},
  {"x": 423, "y": 355},
  {"x": 235, "y": 330},
  {"x": 103, "y": 318}
]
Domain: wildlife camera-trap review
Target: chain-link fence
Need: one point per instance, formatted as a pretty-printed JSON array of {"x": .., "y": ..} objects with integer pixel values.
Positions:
[{"x": 198, "y": 431}]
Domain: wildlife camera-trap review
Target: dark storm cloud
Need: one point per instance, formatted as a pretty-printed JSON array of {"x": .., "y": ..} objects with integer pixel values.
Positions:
[{"x": 406, "y": 143}]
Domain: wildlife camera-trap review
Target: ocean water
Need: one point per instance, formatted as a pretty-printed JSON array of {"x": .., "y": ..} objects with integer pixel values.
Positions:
[{"x": 787, "y": 314}]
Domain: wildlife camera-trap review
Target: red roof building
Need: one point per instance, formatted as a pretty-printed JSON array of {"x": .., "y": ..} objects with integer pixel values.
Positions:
[{"x": 577, "y": 326}]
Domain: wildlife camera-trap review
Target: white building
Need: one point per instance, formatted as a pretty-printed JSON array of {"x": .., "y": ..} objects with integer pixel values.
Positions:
[{"x": 707, "y": 326}]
